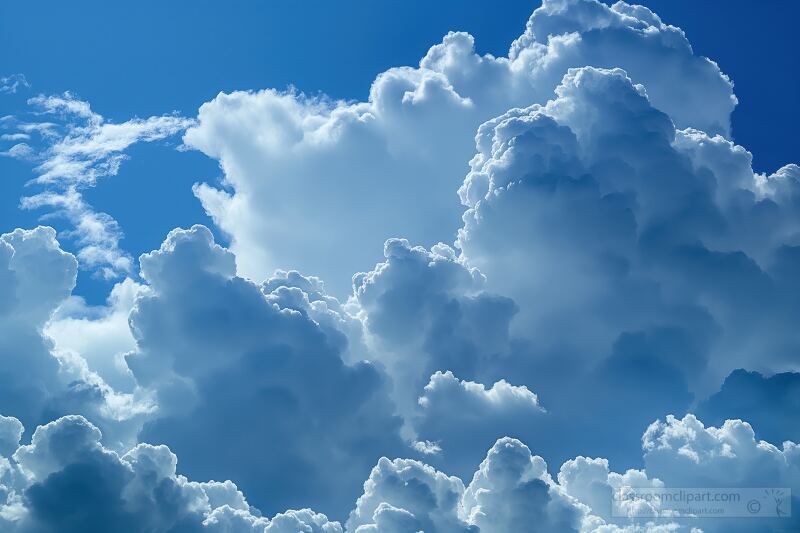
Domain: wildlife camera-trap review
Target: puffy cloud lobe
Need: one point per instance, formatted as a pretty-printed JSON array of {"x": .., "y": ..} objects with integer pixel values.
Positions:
[
  {"x": 99, "y": 334},
  {"x": 690, "y": 89},
  {"x": 75, "y": 484},
  {"x": 226, "y": 519},
  {"x": 292, "y": 290},
  {"x": 594, "y": 210},
  {"x": 228, "y": 359},
  {"x": 512, "y": 490},
  {"x": 304, "y": 520},
  {"x": 35, "y": 276},
  {"x": 41, "y": 380},
  {"x": 406, "y": 495},
  {"x": 414, "y": 133},
  {"x": 38, "y": 273},
  {"x": 685, "y": 453},
  {"x": 10, "y": 434},
  {"x": 465, "y": 418},
  {"x": 684, "y": 450},
  {"x": 592, "y": 483},
  {"x": 67, "y": 481},
  {"x": 425, "y": 311}
]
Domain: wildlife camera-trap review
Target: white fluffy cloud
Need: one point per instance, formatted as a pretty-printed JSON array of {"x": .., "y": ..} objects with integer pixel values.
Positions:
[
  {"x": 594, "y": 201},
  {"x": 99, "y": 334},
  {"x": 406, "y": 495},
  {"x": 425, "y": 311},
  {"x": 617, "y": 258},
  {"x": 65, "y": 480},
  {"x": 684, "y": 451},
  {"x": 512, "y": 491},
  {"x": 229, "y": 358},
  {"x": 609, "y": 228},
  {"x": 464, "y": 418},
  {"x": 319, "y": 185},
  {"x": 39, "y": 379},
  {"x": 35, "y": 276}
]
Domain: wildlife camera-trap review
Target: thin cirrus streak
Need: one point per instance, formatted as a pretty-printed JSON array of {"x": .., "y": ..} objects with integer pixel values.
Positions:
[{"x": 73, "y": 154}]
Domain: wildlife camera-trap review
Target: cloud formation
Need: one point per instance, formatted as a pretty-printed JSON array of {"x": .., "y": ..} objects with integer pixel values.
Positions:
[
  {"x": 35, "y": 276},
  {"x": 464, "y": 418},
  {"x": 229, "y": 358},
  {"x": 318, "y": 185},
  {"x": 612, "y": 257},
  {"x": 38, "y": 379},
  {"x": 594, "y": 212},
  {"x": 65, "y": 480}
]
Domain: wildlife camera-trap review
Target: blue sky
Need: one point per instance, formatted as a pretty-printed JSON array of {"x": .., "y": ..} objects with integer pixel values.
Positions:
[{"x": 379, "y": 281}]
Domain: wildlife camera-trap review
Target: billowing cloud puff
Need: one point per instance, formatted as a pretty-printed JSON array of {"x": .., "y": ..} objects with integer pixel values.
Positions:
[
  {"x": 425, "y": 311},
  {"x": 38, "y": 275},
  {"x": 318, "y": 185},
  {"x": 10, "y": 434},
  {"x": 685, "y": 453},
  {"x": 65, "y": 480},
  {"x": 100, "y": 335},
  {"x": 292, "y": 290},
  {"x": 35, "y": 276},
  {"x": 592, "y": 483},
  {"x": 406, "y": 495},
  {"x": 573, "y": 199},
  {"x": 512, "y": 490},
  {"x": 680, "y": 451},
  {"x": 464, "y": 418},
  {"x": 592, "y": 210},
  {"x": 39, "y": 381},
  {"x": 228, "y": 359}
]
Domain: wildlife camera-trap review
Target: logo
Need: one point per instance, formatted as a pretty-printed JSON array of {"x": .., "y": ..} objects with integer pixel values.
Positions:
[{"x": 754, "y": 506}]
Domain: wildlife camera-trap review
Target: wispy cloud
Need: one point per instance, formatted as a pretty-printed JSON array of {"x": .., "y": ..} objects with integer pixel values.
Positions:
[
  {"x": 14, "y": 137},
  {"x": 76, "y": 148},
  {"x": 14, "y": 82}
]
